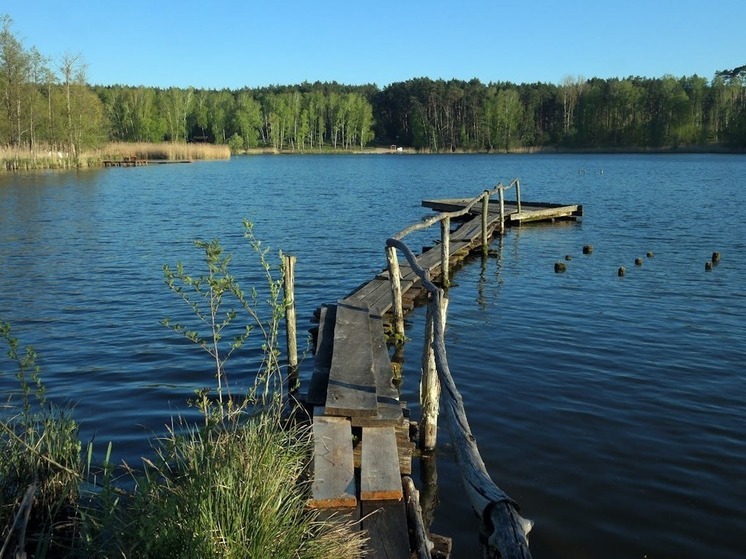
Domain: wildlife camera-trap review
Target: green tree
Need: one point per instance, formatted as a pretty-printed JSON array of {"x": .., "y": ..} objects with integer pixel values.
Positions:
[
  {"x": 504, "y": 116},
  {"x": 83, "y": 122},
  {"x": 247, "y": 119},
  {"x": 175, "y": 103},
  {"x": 14, "y": 73}
]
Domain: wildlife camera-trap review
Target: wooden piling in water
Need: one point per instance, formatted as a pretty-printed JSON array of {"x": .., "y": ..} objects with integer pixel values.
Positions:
[
  {"x": 445, "y": 251},
  {"x": 501, "y": 194},
  {"x": 395, "y": 279},
  {"x": 292, "y": 340},
  {"x": 485, "y": 218},
  {"x": 429, "y": 382}
]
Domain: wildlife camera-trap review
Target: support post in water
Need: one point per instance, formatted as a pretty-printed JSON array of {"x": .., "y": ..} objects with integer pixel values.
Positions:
[
  {"x": 485, "y": 212},
  {"x": 445, "y": 249},
  {"x": 502, "y": 210},
  {"x": 429, "y": 383},
  {"x": 292, "y": 342},
  {"x": 395, "y": 280}
]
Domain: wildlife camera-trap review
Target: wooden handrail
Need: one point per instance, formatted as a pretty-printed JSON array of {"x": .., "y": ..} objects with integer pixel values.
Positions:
[
  {"x": 507, "y": 529},
  {"x": 444, "y": 218}
]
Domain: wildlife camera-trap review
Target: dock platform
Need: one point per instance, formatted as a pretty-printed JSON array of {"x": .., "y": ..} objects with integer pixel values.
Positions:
[{"x": 363, "y": 434}]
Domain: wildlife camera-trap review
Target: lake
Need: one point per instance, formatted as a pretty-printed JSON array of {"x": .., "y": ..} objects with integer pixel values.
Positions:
[{"x": 610, "y": 408}]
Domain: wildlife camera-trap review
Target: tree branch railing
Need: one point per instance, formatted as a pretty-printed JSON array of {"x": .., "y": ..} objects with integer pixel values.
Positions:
[
  {"x": 444, "y": 218},
  {"x": 506, "y": 530}
]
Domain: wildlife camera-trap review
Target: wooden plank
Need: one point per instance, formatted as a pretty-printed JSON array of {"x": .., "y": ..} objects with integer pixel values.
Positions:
[
  {"x": 380, "y": 478},
  {"x": 376, "y": 295},
  {"x": 323, "y": 357},
  {"x": 387, "y": 396},
  {"x": 386, "y": 524},
  {"x": 333, "y": 468},
  {"x": 352, "y": 386},
  {"x": 405, "y": 449},
  {"x": 546, "y": 214}
]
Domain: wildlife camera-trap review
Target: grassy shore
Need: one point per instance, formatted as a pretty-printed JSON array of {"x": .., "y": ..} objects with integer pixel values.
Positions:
[
  {"x": 23, "y": 159},
  {"x": 234, "y": 484},
  {"x": 235, "y": 487}
]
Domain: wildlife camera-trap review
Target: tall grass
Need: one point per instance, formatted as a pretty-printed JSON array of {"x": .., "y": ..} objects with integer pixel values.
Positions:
[
  {"x": 40, "y": 462},
  {"x": 170, "y": 151},
  {"x": 234, "y": 486},
  {"x": 23, "y": 159},
  {"x": 235, "y": 492}
]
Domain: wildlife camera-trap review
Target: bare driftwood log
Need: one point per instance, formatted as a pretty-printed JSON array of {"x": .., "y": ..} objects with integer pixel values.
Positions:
[
  {"x": 499, "y": 513},
  {"x": 423, "y": 545}
]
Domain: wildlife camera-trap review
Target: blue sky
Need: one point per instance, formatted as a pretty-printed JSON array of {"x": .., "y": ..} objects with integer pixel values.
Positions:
[{"x": 217, "y": 44}]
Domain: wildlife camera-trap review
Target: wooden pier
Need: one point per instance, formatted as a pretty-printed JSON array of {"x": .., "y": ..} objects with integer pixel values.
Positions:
[
  {"x": 135, "y": 162},
  {"x": 363, "y": 433},
  {"x": 125, "y": 162}
]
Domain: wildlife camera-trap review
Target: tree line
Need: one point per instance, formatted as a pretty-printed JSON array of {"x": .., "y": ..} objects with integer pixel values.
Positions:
[{"x": 51, "y": 106}]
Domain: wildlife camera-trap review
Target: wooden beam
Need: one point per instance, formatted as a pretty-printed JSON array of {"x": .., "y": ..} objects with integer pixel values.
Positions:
[
  {"x": 386, "y": 524},
  {"x": 322, "y": 360},
  {"x": 333, "y": 468},
  {"x": 379, "y": 469},
  {"x": 352, "y": 384}
]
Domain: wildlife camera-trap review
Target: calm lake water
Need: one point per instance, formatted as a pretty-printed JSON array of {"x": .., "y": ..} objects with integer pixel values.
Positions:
[{"x": 611, "y": 408}]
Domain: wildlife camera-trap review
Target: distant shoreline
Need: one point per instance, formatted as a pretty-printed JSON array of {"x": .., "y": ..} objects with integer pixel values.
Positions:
[
  {"x": 12, "y": 163},
  {"x": 694, "y": 149}
]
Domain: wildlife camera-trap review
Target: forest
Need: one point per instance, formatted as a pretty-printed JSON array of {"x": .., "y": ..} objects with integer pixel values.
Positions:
[{"x": 51, "y": 106}]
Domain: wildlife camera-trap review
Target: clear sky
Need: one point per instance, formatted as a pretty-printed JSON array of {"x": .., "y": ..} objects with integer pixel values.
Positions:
[{"x": 233, "y": 43}]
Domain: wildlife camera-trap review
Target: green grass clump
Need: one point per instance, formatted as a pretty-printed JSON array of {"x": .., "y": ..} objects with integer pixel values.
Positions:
[
  {"x": 235, "y": 485},
  {"x": 231, "y": 492},
  {"x": 40, "y": 463}
]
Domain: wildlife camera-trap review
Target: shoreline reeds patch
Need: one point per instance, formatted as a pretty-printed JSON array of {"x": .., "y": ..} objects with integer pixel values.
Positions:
[
  {"x": 16, "y": 159},
  {"x": 169, "y": 151}
]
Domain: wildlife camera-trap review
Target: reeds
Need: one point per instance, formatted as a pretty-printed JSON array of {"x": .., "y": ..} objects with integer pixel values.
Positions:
[
  {"x": 23, "y": 159},
  {"x": 40, "y": 464},
  {"x": 170, "y": 151}
]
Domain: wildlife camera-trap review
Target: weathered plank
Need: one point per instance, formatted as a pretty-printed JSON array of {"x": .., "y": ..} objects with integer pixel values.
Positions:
[
  {"x": 387, "y": 396},
  {"x": 386, "y": 524},
  {"x": 404, "y": 445},
  {"x": 379, "y": 470},
  {"x": 377, "y": 295},
  {"x": 333, "y": 468},
  {"x": 323, "y": 357},
  {"x": 546, "y": 214},
  {"x": 473, "y": 229},
  {"x": 352, "y": 385}
]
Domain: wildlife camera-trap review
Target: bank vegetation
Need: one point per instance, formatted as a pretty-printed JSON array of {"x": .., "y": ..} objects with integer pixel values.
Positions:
[
  {"x": 232, "y": 482},
  {"x": 50, "y": 110}
]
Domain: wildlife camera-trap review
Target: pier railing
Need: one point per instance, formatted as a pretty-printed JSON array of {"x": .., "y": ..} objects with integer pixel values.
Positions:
[
  {"x": 444, "y": 219},
  {"x": 506, "y": 529}
]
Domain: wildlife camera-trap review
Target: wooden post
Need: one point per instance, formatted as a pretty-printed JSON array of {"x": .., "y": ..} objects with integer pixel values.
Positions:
[
  {"x": 445, "y": 249},
  {"x": 429, "y": 383},
  {"x": 395, "y": 280},
  {"x": 485, "y": 216},
  {"x": 292, "y": 343},
  {"x": 502, "y": 211},
  {"x": 518, "y": 194},
  {"x": 423, "y": 545}
]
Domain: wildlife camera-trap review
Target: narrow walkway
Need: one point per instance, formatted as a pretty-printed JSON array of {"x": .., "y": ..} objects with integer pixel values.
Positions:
[{"x": 362, "y": 444}]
